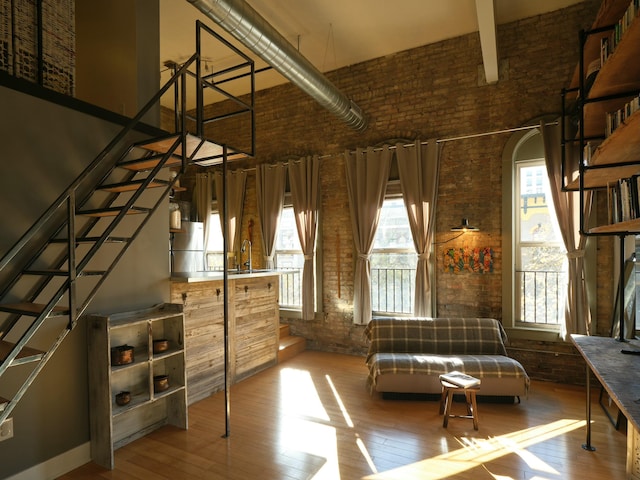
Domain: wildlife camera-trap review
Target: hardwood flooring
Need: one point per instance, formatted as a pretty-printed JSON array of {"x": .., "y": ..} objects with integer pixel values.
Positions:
[{"x": 312, "y": 417}]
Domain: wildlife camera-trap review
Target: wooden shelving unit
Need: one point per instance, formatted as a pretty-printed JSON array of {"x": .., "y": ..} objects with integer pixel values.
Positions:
[
  {"x": 114, "y": 425},
  {"x": 617, "y": 81}
]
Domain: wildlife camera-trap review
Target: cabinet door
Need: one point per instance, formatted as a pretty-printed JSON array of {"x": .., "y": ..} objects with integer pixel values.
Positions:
[
  {"x": 256, "y": 325},
  {"x": 204, "y": 336}
]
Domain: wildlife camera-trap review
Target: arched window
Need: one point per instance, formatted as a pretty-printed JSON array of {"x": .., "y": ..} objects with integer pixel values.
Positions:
[{"x": 535, "y": 265}]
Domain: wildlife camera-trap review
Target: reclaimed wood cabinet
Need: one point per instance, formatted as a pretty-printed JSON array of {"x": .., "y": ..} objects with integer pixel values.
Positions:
[
  {"x": 155, "y": 380},
  {"x": 254, "y": 317}
]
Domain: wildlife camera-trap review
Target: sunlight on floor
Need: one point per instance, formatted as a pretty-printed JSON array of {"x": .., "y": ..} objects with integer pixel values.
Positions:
[
  {"x": 308, "y": 437},
  {"x": 305, "y": 427},
  {"x": 475, "y": 452}
]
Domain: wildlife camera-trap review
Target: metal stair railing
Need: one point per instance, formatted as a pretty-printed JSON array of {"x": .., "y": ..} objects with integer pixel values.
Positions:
[
  {"x": 23, "y": 256},
  {"x": 67, "y": 200}
]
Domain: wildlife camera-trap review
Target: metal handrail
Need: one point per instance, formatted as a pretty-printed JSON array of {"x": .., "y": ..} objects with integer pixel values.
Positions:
[{"x": 62, "y": 199}]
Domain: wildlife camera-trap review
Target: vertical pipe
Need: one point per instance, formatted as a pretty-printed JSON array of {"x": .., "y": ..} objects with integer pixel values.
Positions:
[
  {"x": 39, "y": 40},
  {"x": 199, "y": 88},
  {"x": 621, "y": 289},
  {"x": 225, "y": 243},
  {"x": 587, "y": 445}
]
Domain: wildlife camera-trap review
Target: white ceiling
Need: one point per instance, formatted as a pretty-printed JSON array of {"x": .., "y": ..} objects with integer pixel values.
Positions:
[{"x": 336, "y": 33}]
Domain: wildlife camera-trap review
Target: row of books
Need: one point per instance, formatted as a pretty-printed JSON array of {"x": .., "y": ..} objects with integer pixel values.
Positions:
[
  {"x": 609, "y": 44},
  {"x": 617, "y": 118},
  {"x": 623, "y": 199}
]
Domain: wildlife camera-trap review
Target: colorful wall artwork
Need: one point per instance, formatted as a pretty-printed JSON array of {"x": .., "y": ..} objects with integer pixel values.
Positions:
[{"x": 468, "y": 259}]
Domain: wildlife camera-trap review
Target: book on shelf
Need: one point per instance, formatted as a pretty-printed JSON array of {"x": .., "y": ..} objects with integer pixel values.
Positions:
[
  {"x": 460, "y": 379},
  {"x": 608, "y": 44},
  {"x": 623, "y": 199}
]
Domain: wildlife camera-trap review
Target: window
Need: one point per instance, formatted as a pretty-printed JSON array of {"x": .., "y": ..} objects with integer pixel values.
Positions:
[
  {"x": 289, "y": 259},
  {"x": 393, "y": 261},
  {"x": 215, "y": 245},
  {"x": 540, "y": 257}
]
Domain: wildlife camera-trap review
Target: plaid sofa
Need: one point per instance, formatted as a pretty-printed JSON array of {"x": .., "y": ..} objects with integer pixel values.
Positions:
[{"x": 407, "y": 355}]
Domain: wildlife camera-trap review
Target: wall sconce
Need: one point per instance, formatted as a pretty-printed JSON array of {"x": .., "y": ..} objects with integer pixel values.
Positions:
[{"x": 465, "y": 227}]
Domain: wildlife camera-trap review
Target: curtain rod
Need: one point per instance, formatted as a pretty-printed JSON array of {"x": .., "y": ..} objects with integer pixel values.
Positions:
[
  {"x": 450, "y": 139},
  {"x": 461, "y": 137}
]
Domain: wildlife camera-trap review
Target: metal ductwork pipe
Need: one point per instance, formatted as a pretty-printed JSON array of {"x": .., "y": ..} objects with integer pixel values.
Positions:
[{"x": 246, "y": 25}]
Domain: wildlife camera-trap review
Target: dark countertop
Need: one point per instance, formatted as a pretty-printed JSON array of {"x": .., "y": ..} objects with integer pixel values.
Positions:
[{"x": 618, "y": 373}]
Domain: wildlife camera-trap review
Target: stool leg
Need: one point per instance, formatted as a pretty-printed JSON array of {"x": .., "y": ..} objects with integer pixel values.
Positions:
[
  {"x": 475, "y": 410},
  {"x": 467, "y": 397},
  {"x": 447, "y": 408},
  {"x": 443, "y": 399}
]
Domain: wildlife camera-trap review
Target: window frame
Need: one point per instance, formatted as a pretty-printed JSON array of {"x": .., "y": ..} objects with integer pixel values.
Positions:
[
  {"x": 394, "y": 192},
  {"x": 296, "y": 313},
  {"x": 514, "y": 329},
  {"x": 519, "y": 244}
]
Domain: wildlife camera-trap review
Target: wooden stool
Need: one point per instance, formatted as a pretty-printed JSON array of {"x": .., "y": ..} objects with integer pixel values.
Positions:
[{"x": 446, "y": 399}]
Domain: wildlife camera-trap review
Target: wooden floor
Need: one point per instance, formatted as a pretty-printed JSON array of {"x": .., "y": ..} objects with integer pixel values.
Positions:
[{"x": 312, "y": 417}]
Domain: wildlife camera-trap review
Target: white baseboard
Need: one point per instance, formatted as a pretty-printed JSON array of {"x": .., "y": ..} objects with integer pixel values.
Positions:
[{"x": 56, "y": 466}]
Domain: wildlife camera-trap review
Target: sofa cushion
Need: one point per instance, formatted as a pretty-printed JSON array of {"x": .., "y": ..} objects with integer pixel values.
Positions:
[
  {"x": 442, "y": 336},
  {"x": 480, "y": 366}
]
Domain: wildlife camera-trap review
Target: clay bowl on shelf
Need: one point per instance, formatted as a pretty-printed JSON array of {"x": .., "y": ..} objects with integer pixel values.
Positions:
[
  {"x": 161, "y": 345},
  {"x": 123, "y": 398},
  {"x": 121, "y": 355},
  {"x": 160, "y": 383}
]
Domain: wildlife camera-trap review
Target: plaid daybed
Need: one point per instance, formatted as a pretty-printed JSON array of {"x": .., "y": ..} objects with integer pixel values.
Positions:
[{"x": 432, "y": 346}]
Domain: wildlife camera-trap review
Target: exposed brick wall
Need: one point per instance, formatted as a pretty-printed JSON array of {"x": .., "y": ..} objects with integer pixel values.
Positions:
[{"x": 433, "y": 91}]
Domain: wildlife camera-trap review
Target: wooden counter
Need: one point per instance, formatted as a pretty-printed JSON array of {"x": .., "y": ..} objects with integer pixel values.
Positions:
[
  {"x": 254, "y": 317},
  {"x": 619, "y": 374}
]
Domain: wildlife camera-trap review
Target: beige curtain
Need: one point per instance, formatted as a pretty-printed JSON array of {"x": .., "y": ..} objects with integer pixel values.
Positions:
[
  {"x": 202, "y": 198},
  {"x": 367, "y": 176},
  {"x": 304, "y": 175},
  {"x": 567, "y": 207},
  {"x": 270, "y": 184},
  {"x": 418, "y": 166},
  {"x": 236, "y": 181}
]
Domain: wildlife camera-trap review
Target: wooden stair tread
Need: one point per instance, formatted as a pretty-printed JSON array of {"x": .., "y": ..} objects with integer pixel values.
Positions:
[
  {"x": 289, "y": 341},
  {"x": 289, "y": 345},
  {"x": 92, "y": 240},
  {"x": 32, "y": 308},
  {"x": 52, "y": 271},
  {"x": 200, "y": 151},
  {"x": 131, "y": 186},
  {"x": 150, "y": 162},
  {"x": 112, "y": 211},
  {"x": 26, "y": 352}
]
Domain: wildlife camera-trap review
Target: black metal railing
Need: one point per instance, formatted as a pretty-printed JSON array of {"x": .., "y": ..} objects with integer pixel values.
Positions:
[
  {"x": 541, "y": 296},
  {"x": 392, "y": 290}
]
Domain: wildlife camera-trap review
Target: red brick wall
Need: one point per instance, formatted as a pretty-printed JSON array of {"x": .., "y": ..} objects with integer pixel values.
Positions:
[{"x": 431, "y": 92}]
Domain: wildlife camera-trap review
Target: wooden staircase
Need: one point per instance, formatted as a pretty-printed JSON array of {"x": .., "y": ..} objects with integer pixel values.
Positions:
[{"x": 289, "y": 345}]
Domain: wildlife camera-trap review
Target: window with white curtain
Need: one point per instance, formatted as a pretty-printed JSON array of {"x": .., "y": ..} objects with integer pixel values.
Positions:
[
  {"x": 289, "y": 260},
  {"x": 393, "y": 261},
  {"x": 215, "y": 247}
]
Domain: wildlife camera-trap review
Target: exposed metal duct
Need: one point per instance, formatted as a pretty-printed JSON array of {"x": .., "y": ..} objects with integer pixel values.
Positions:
[{"x": 239, "y": 19}]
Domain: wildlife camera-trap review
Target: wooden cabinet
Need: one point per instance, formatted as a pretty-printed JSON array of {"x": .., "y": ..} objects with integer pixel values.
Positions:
[
  {"x": 152, "y": 404},
  {"x": 254, "y": 317}
]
